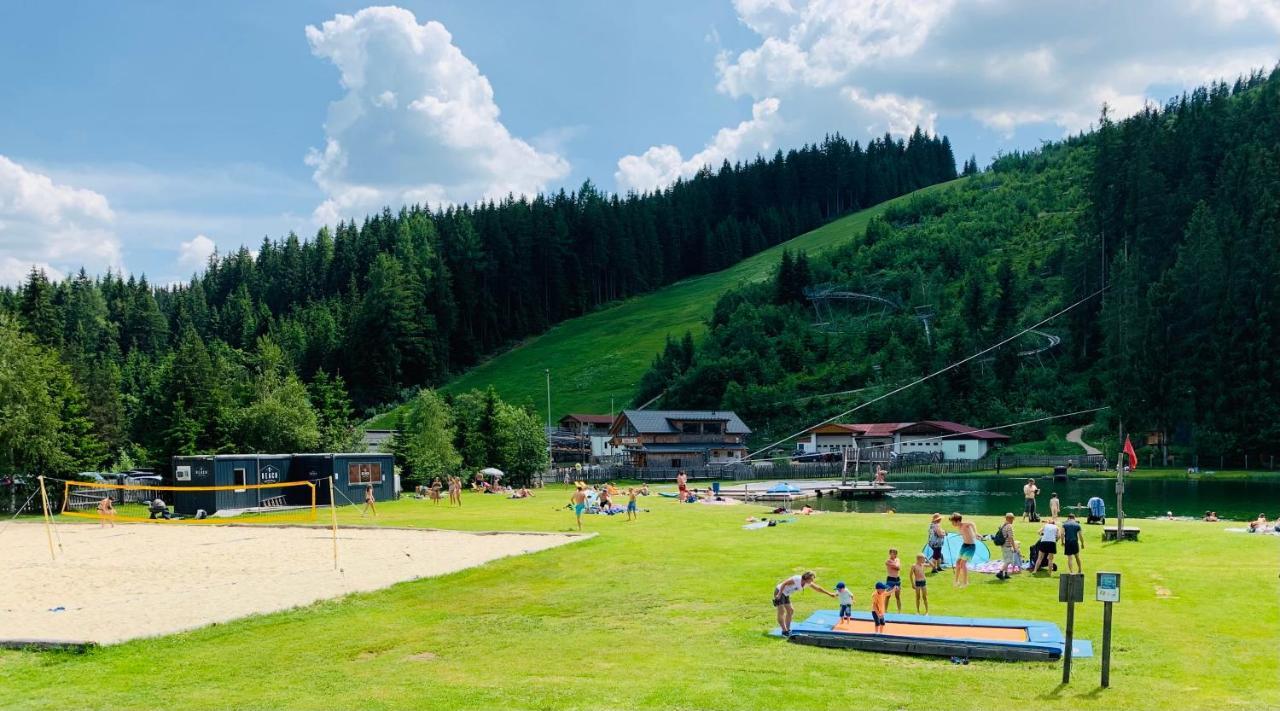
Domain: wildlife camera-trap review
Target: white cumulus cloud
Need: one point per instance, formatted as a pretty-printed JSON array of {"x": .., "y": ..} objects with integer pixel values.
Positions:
[
  {"x": 193, "y": 254},
  {"x": 418, "y": 121},
  {"x": 864, "y": 67},
  {"x": 53, "y": 226},
  {"x": 661, "y": 165},
  {"x": 1002, "y": 62}
]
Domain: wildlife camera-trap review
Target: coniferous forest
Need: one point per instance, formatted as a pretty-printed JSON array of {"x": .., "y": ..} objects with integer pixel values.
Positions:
[
  {"x": 283, "y": 347},
  {"x": 1172, "y": 214}
]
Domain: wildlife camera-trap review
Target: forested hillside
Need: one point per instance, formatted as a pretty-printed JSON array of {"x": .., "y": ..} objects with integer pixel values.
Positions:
[
  {"x": 302, "y": 333},
  {"x": 1175, "y": 211}
]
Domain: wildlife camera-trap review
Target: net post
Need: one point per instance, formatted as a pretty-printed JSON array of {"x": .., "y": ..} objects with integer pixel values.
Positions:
[
  {"x": 333, "y": 513},
  {"x": 48, "y": 518}
]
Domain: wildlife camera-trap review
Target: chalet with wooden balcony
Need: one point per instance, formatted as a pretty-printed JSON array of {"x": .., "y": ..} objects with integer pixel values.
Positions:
[{"x": 680, "y": 438}]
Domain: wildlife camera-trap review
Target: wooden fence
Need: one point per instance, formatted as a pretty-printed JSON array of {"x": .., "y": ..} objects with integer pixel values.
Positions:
[{"x": 770, "y": 469}]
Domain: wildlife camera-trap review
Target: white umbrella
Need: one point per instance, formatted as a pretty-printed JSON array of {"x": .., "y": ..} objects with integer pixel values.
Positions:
[{"x": 491, "y": 472}]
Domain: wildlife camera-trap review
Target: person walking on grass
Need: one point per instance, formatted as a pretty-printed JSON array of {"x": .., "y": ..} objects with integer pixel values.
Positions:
[
  {"x": 368, "y": 501},
  {"x": 631, "y": 504},
  {"x": 106, "y": 513},
  {"x": 1029, "y": 492},
  {"x": 1008, "y": 549},
  {"x": 1049, "y": 535},
  {"x": 783, "y": 591},
  {"x": 969, "y": 546},
  {"x": 919, "y": 582},
  {"x": 893, "y": 576},
  {"x": 579, "y": 502},
  {"x": 936, "y": 539},
  {"x": 1055, "y": 506},
  {"x": 1072, "y": 542}
]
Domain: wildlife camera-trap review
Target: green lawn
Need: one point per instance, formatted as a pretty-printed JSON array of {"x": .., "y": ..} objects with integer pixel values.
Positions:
[
  {"x": 670, "y": 612},
  {"x": 602, "y": 355}
]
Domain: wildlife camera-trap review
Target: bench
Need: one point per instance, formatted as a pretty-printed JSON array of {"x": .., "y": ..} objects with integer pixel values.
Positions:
[{"x": 1130, "y": 533}]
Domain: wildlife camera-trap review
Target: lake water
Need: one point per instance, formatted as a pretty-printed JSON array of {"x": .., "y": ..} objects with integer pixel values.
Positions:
[{"x": 1143, "y": 498}]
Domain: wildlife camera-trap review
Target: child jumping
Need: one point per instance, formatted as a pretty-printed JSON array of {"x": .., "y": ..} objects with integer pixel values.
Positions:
[
  {"x": 918, "y": 582},
  {"x": 893, "y": 576},
  {"x": 879, "y": 600},
  {"x": 846, "y": 601}
]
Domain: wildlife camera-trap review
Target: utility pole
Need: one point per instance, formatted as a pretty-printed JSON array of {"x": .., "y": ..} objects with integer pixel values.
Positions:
[{"x": 548, "y": 373}]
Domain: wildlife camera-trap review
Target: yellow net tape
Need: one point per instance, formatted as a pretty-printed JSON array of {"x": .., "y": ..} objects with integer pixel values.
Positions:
[{"x": 82, "y": 499}]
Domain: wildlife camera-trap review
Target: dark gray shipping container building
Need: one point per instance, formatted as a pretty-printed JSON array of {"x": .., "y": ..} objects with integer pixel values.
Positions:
[{"x": 352, "y": 472}]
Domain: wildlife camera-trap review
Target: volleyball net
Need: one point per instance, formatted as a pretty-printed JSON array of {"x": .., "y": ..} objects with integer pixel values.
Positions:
[{"x": 293, "y": 501}]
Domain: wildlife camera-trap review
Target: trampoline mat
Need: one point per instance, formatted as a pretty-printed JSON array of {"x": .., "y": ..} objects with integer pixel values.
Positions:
[{"x": 908, "y": 629}]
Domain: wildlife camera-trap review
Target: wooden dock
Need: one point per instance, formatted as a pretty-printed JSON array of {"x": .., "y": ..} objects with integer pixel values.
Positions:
[{"x": 805, "y": 491}]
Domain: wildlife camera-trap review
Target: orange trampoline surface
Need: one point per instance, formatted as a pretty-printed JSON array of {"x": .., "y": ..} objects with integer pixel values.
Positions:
[{"x": 910, "y": 629}]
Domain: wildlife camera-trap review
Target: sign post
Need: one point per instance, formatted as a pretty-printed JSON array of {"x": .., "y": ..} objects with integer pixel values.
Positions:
[
  {"x": 1070, "y": 591},
  {"x": 1108, "y": 592}
]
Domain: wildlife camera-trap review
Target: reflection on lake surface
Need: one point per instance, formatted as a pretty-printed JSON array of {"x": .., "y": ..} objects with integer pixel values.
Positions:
[{"x": 1143, "y": 498}]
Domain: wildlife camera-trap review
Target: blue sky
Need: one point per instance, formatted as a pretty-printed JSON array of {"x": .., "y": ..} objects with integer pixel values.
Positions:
[{"x": 143, "y": 135}]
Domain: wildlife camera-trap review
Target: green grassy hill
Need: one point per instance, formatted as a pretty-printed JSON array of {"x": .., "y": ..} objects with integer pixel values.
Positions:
[{"x": 603, "y": 354}]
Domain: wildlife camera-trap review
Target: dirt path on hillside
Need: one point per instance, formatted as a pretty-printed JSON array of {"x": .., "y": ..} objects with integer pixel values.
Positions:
[{"x": 1077, "y": 436}]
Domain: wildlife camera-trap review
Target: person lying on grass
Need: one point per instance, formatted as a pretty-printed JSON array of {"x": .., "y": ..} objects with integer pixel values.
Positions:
[{"x": 783, "y": 591}]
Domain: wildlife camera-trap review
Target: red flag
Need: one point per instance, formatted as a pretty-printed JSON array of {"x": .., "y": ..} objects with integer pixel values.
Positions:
[{"x": 1133, "y": 456}]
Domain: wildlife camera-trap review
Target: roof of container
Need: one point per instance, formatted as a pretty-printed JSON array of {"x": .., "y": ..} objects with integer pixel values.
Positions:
[{"x": 283, "y": 456}]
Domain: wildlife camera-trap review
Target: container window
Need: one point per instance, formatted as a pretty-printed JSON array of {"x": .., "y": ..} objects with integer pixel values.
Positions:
[
  {"x": 237, "y": 477},
  {"x": 364, "y": 473}
]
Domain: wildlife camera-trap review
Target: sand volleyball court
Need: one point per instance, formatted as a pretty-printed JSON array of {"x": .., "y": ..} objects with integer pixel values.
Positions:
[{"x": 109, "y": 585}]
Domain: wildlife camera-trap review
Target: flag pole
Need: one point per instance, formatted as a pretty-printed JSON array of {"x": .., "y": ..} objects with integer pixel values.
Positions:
[{"x": 1120, "y": 463}]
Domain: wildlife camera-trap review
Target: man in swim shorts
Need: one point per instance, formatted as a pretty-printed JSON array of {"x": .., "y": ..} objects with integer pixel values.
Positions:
[
  {"x": 682, "y": 484},
  {"x": 1072, "y": 542},
  {"x": 893, "y": 576},
  {"x": 783, "y": 591},
  {"x": 579, "y": 502},
  {"x": 1029, "y": 491},
  {"x": 969, "y": 534}
]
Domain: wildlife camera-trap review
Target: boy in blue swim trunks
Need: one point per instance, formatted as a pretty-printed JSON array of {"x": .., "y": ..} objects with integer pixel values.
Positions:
[
  {"x": 969, "y": 536},
  {"x": 918, "y": 581},
  {"x": 579, "y": 502},
  {"x": 631, "y": 504}
]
